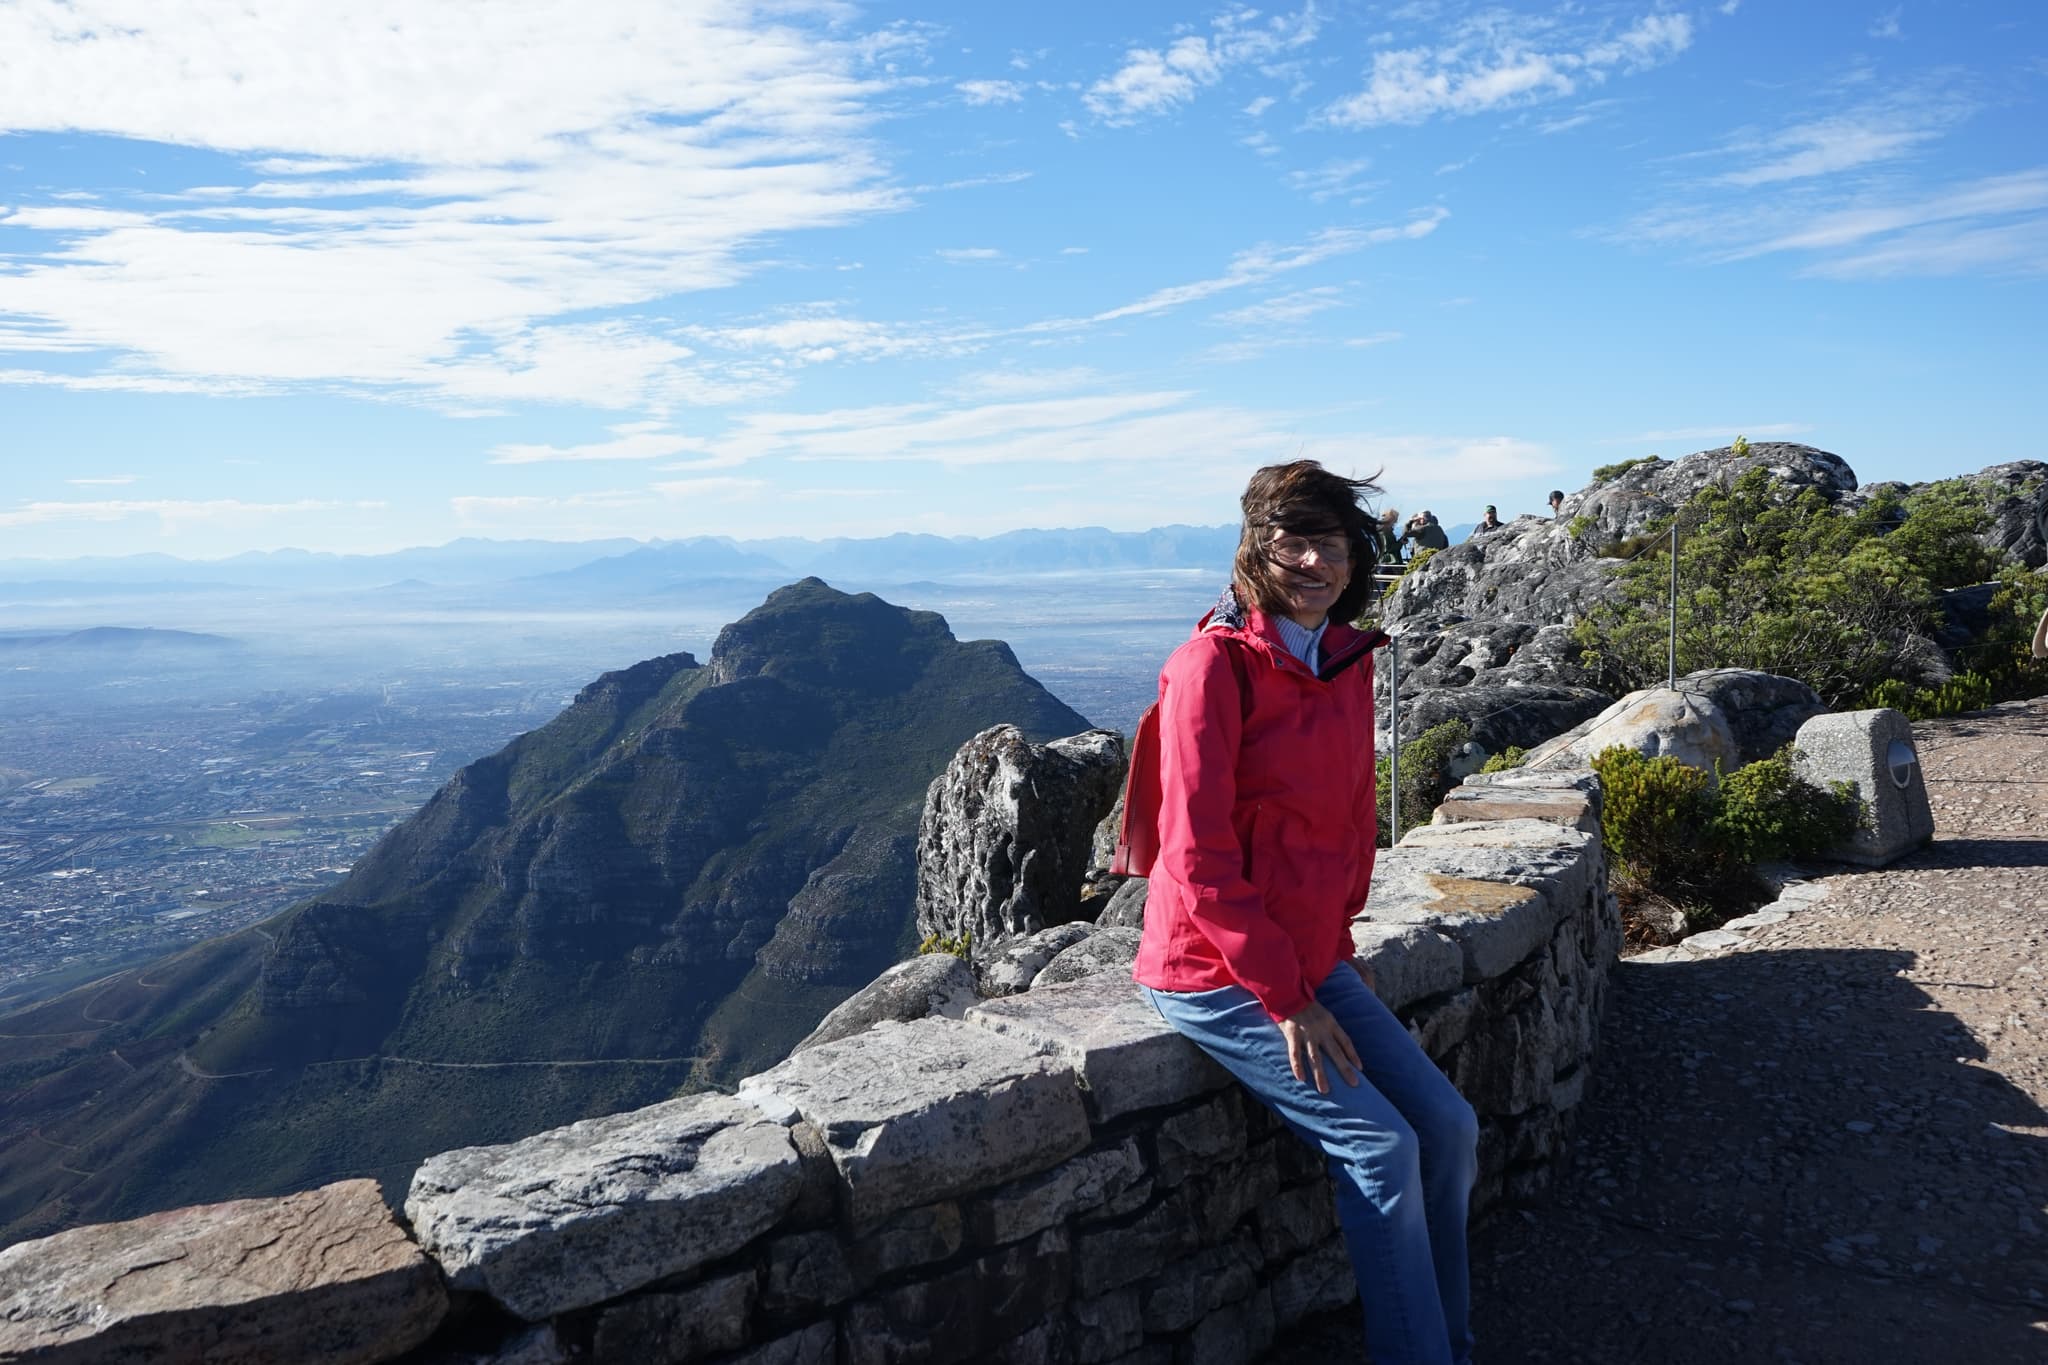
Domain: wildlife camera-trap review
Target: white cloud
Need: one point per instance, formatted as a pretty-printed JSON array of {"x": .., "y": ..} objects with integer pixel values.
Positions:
[
  {"x": 722, "y": 489},
  {"x": 649, "y": 148},
  {"x": 1024, "y": 383},
  {"x": 1259, "y": 106},
  {"x": 1840, "y": 143},
  {"x": 1332, "y": 178},
  {"x": 968, "y": 253},
  {"x": 1492, "y": 65},
  {"x": 111, "y": 480},
  {"x": 816, "y": 333},
  {"x": 1886, "y": 25},
  {"x": 173, "y": 513},
  {"x": 992, "y": 92},
  {"x": 1156, "y": 80},
  {"x": 1996, "y": 225},
  {"x": 1285, "y": 309},
  {"x": 630, "y": 441},
  {"x": 1264, "y": 262}
]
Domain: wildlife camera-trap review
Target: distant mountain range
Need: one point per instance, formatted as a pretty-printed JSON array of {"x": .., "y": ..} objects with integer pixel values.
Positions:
[
  {"x": 660, "y": 890},
  {"x": 614, "y": 565},
  {"x": 101, "y": 642}
]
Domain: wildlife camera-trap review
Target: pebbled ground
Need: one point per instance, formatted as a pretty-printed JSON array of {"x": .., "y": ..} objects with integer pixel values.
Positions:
[{"x": 1827, "y": 1145}]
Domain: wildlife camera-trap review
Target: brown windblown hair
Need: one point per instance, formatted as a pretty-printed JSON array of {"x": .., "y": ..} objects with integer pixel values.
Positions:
[{"x": 1306, "y": 499}]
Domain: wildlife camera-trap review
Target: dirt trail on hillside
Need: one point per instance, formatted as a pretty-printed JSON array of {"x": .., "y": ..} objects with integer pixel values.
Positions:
[{"x": 1829, "y": 1145}]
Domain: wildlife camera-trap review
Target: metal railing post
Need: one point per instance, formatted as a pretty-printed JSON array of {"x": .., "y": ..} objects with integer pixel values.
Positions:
[
  {"x": 1394, "y": 753},
  {"x": 1673, "y": 682}
]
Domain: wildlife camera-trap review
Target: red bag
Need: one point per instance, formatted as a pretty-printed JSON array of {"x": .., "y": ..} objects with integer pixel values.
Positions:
[{"x": 1137, "y": 838}]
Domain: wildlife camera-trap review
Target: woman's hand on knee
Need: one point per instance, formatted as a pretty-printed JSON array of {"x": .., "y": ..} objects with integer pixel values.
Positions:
[{"x": 1314, "y": 1037}]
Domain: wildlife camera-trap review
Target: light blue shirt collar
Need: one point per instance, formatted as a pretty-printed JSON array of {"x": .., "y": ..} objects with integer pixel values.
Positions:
[{"x": 1303, "y": 643}]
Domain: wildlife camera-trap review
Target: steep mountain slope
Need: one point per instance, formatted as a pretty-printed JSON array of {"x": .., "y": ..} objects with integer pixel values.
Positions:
[{"x": 665, "y": 886}]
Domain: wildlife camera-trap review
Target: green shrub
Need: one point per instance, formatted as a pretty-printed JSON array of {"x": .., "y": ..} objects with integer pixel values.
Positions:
[
  {"x": 1510, "y": 757},
  {"x": 1580, "y": 524},
  {"x": 1674, "y": 835},
  {"x": 1420, "y": 558},
  {"x": 1425, "y": 775},
  {"x": 1620, "y": 467},
  {"x": 1963, "y": 692},
  {"x": 1653, "y": 812},
  {"x": 1765, "y": 810},
  {"x": 939, "y": 943}
]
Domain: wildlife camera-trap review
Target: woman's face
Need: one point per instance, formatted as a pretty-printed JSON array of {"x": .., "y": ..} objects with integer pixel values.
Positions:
[{"x": 1312, "y": 570}]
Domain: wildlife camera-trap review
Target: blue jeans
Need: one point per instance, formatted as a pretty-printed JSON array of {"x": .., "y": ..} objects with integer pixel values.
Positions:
[{"x": 1403, "y": 1146}]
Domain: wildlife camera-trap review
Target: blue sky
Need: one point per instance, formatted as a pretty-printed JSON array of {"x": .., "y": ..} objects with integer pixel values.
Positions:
[{"x": 356, "y": 277}]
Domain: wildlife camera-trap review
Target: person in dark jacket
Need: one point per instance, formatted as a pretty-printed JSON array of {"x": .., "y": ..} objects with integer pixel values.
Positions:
[
  {"x": 1490, "y": 522},
  {"x": 1426, "y": 531},
  {"x": 1267, "y": 822}
]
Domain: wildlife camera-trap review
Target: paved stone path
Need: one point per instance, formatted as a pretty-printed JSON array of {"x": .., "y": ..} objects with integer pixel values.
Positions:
[{"x": 1829, "y": 1144}]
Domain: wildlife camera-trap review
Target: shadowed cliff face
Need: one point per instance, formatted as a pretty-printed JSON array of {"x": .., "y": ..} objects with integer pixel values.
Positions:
[{"x": 665, "y": 886}]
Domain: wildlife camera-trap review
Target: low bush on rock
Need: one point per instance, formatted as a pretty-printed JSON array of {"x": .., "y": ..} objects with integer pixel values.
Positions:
[
  {"x": 1510, "y": 757},
  {"x": 1426, "y": 775},
  {"x": 1676, "y": 838},
  {"x": 961, "y": 947}
]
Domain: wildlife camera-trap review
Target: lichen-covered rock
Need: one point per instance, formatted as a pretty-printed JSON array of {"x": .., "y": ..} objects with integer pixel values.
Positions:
[
  {"x": 1105, "y": 950},
  {"x": 1126, "y": 908},
  {"x": 1657, "y": 722},
  {"x": 1008, "y": 831},
  {"x": 2015, "y": 500},
  {"x": 572, "y": 1217},
  {"x": 1013, "y": 964},
  {"x": 1724, "y": 716},
  {"x": 931, "y": 983},
  {"x": 326, "y": 1275}
]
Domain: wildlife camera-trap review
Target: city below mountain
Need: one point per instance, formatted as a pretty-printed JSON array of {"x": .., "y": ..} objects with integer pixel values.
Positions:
[{"x": 660, "y": 890}]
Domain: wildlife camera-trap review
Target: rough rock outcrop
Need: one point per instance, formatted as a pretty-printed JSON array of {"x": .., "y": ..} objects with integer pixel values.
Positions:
[
  {"x": 2016, "y": 510},
  {"x": 1013, "y": 964},
  {"x": 1105, "y": 950},
  {"x": 326, "y": 1275},
  {"x": 1008, "y": 833},
  {"x": 931, "y": 983},
  {"x": 1126, "y": 908},
  {"x": 1484, "y": 626}
]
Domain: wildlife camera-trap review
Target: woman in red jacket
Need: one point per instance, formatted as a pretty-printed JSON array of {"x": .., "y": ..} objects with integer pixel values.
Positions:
[{"x": 1267, "y": 824}]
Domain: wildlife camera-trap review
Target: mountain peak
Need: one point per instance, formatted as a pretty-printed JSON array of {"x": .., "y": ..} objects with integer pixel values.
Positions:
[{"x": 811, "y": 632}]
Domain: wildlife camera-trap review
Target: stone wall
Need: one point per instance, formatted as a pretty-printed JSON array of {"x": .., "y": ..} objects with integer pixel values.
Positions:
[{"x": 1055, "y": 1177}]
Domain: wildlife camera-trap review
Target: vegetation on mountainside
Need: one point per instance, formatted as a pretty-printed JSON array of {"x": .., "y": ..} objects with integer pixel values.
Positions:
[
  {"x": 1676, "y": 837},
  {"x": 1620, "y": 467},
  {"x": 961, "y": 947},
  {"x": 662, "y": 889},
  {"x": 1426, "y": 776},
  {"x": 1510, "y": 757},
  {"x": 1843, "y": 601}
]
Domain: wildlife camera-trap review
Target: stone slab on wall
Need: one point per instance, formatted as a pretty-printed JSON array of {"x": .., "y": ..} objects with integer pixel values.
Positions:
[
  {"x": 327, "y": 1275},
  {"x": 581, "y": 1214}
]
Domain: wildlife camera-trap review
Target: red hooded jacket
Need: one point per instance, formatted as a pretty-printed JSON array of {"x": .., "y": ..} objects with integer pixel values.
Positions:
[{"x": 1267, "y": 818}]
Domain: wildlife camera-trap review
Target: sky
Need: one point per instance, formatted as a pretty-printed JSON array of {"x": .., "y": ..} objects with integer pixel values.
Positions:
[{"x": 359, "y": 277}]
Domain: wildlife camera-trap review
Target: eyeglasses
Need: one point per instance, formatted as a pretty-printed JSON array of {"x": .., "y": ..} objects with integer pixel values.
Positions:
[{"x": 1292, "y": 550}]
